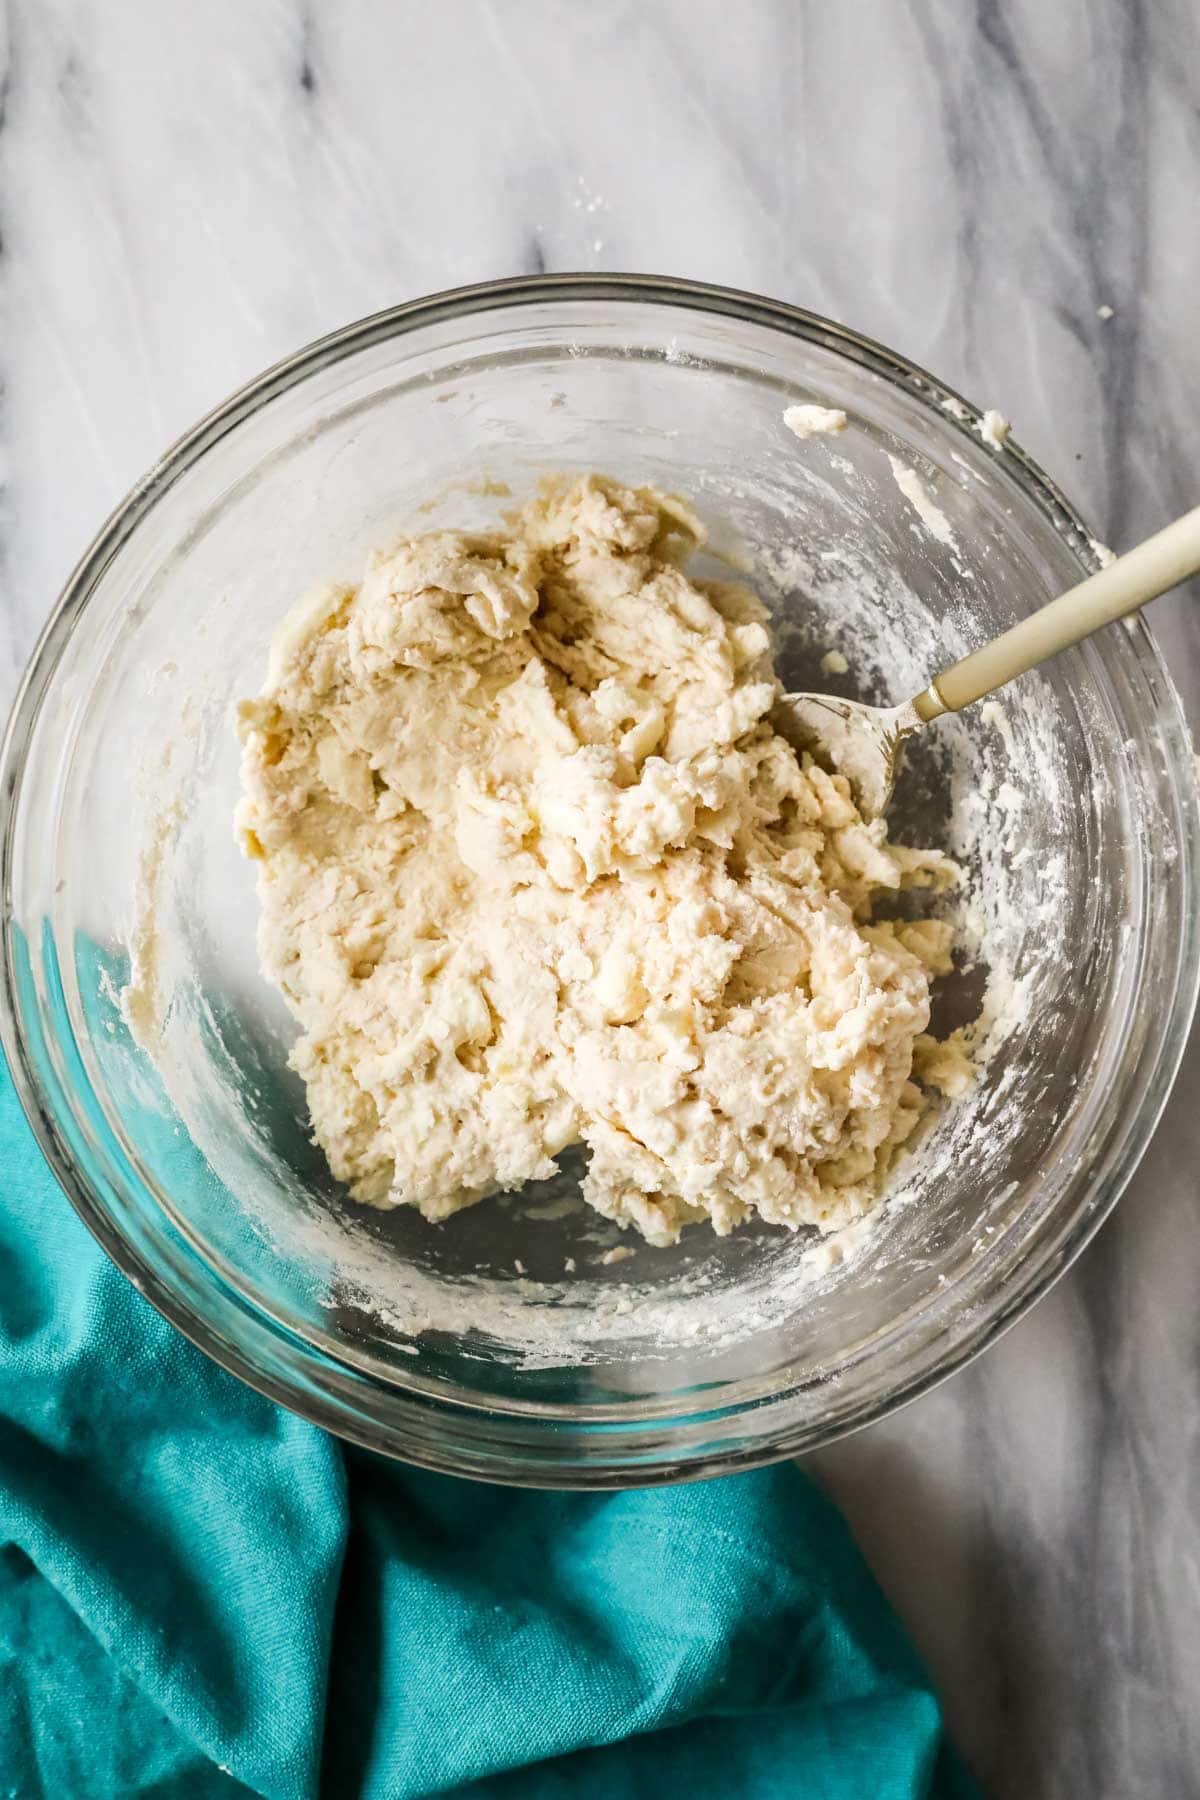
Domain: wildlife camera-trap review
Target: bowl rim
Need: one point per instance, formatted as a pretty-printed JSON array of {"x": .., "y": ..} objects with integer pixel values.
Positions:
[{"x": 421, "y": 1446}]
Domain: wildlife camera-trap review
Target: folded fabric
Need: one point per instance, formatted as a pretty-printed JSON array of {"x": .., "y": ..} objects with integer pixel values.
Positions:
[{"x": 201, "y": 1595}]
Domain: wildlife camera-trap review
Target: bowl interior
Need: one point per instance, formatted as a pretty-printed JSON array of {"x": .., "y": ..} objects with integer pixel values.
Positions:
[{"x": 202, "y": 1153}]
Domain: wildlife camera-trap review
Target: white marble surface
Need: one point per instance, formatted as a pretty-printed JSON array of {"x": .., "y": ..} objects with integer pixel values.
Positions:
[{"x": 187, "y": 192}]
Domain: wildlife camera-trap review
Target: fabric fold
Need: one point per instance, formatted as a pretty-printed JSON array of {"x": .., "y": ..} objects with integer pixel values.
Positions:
[{"x": 201, "y": 1594}]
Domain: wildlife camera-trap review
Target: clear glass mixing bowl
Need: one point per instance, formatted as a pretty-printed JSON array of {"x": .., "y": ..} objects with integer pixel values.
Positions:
[{"x": 467, "y": 1346}]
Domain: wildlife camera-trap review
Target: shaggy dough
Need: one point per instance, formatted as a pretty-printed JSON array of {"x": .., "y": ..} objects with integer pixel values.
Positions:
[{"x": 536, "y": 870}]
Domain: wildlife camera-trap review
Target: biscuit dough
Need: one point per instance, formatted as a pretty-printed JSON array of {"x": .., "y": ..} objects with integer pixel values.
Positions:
[{"x": 536, "y": 870}]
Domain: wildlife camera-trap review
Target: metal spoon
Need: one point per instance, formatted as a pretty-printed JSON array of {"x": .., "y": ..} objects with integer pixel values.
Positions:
[{"x": 864, "y": 742}]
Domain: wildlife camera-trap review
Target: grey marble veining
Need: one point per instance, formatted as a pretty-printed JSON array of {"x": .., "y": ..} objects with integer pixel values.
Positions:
[{"x": 187, "y": 193}]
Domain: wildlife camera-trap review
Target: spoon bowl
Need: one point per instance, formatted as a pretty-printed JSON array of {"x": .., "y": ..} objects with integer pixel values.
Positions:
[{"x": 862, "y": 742}]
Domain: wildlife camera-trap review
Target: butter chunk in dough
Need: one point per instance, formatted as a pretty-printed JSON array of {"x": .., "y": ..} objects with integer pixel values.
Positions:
[{"x": 535, "y": 870}]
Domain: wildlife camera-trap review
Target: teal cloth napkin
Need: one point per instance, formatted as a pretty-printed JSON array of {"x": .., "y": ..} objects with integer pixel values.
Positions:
[{"x": 201, "y": 1595}]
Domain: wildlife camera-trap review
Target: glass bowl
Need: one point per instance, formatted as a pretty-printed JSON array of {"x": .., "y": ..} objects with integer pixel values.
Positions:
[{"x": 470, "y": 1346}]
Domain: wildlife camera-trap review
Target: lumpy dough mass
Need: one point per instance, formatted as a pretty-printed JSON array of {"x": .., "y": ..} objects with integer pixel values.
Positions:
[{"x": 536, "y": 870}]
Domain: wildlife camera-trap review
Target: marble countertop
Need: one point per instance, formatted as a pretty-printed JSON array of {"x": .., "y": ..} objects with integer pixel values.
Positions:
[{"x": 186, "y": 193}]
